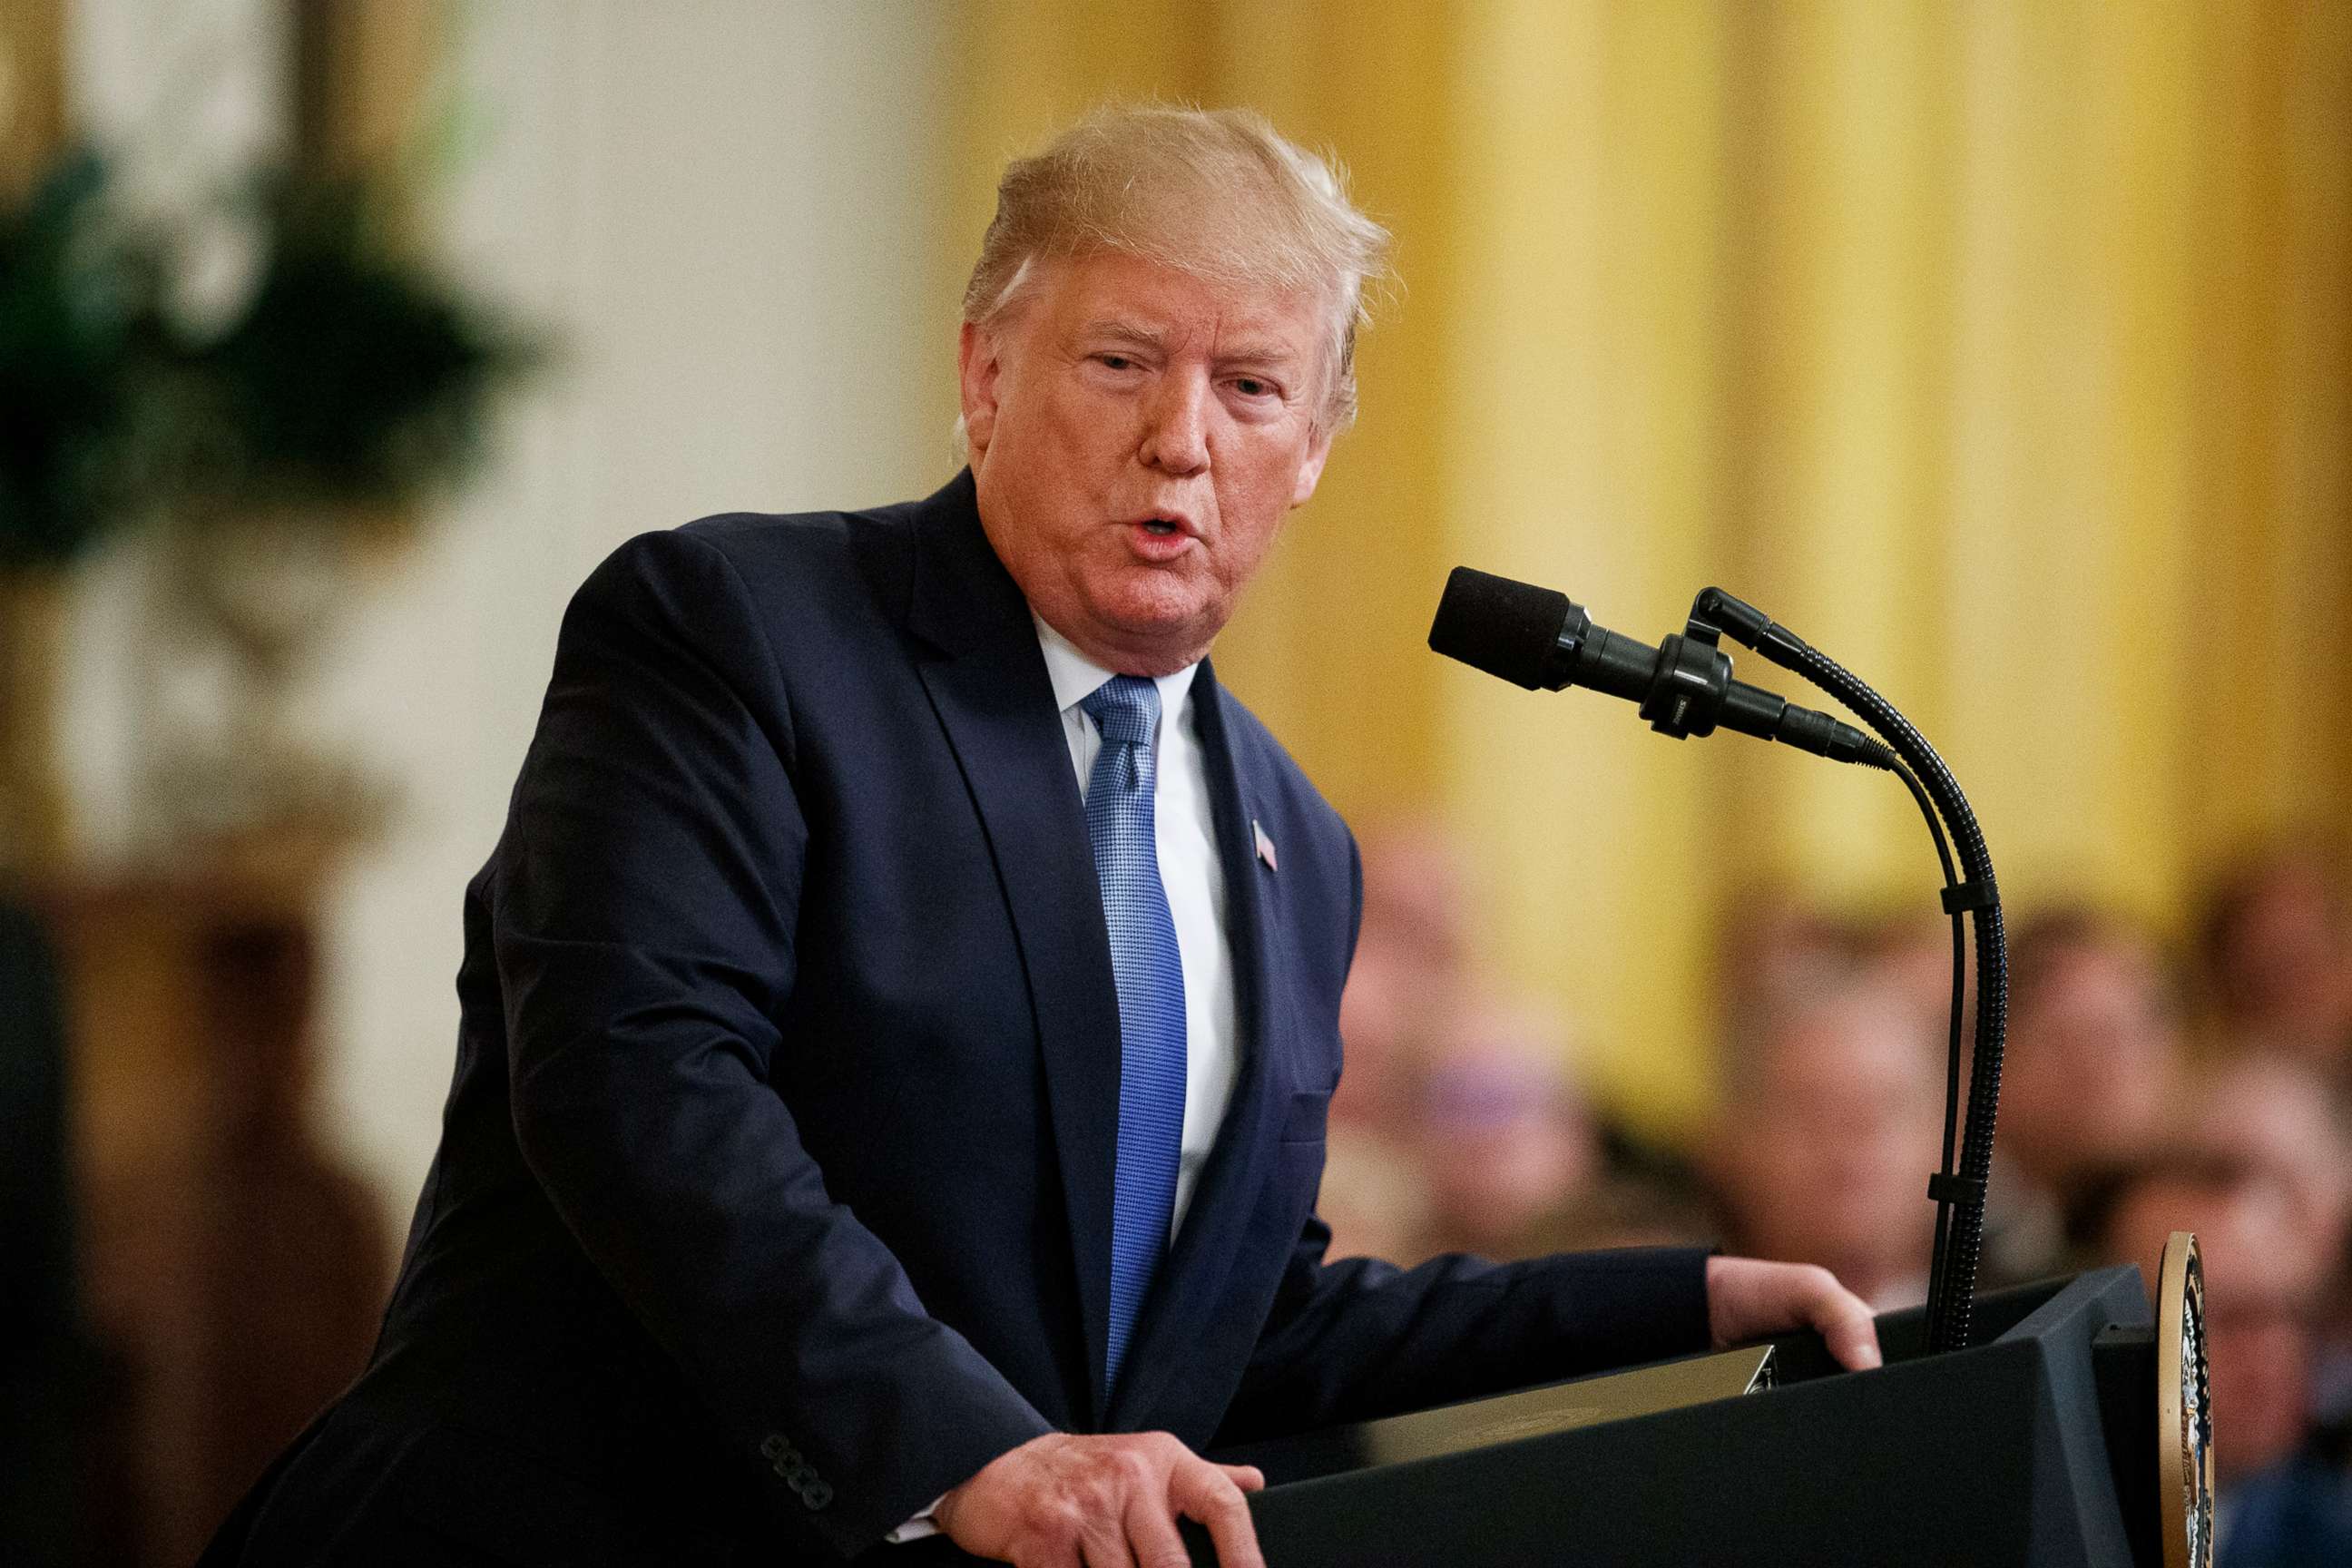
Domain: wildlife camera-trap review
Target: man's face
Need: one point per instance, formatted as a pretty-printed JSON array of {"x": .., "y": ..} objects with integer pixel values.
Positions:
[
  {"x": 1137, "y": 437},
  {"x": 2260, "y": 1291},
  {"x": 1834, "y": 1135},
  {"x": 2089, "y": 1077}
]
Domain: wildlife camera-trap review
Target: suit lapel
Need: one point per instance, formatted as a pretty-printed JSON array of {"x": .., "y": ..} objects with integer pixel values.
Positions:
[
  {"x": 1191, "y": 1286},
  {"x": 989, "y": 686}
]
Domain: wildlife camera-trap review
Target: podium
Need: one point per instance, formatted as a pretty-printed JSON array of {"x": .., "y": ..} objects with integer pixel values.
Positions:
[{"x": 2036, "y": 1444}]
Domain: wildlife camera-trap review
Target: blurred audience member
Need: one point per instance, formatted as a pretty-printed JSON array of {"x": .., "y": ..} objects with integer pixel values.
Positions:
[
  {"x": 2284, "y": 1489},
  {"x": 1776, "y": 946},
  {"x": 1410, "y": 973},
  {"x": 2277, "y": 951},
  {"x": 1408, "y": 979},
  {"x": 1374, "y": 1199},
  {"x": 1644, "y": 1198},
  {"x": 1384, "y": 1031},
  {"x": 1914, "y": 952},
  {"x": 2259, "y": 1287},
  {"x": 1503, "y": 1136},
  {"x": 2276, "y": 1115},
  {"x": 1828, "y": 1127},
  {"x": 2088, "y": 1078},
  {"x": 2294, "y": 1515}
]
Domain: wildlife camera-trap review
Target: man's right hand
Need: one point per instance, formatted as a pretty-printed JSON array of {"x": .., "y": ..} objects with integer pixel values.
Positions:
[{"x": 1062, "y": 1500}]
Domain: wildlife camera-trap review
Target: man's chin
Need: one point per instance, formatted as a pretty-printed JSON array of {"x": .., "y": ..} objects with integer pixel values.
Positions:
[{"x": 1156, "y": 637}]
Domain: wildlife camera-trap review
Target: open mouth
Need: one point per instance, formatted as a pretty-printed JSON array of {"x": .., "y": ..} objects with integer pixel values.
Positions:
[{"x": 1160, "y": 540}]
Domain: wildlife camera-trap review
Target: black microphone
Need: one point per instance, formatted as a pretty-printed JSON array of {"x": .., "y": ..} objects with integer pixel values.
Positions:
[{"x": 1543, "y": 641}]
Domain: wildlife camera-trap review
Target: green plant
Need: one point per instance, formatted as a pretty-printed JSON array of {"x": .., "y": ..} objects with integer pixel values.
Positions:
[
  {"x": 351, "y": 381},
  {"x": 354, "y": 375},
  {"x": 81, "y": 351}
]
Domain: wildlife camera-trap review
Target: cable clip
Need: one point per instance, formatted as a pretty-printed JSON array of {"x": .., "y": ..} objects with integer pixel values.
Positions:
[
  {"x": 1962, "y": 897},
  {"x": 1944, "y": 1187}
]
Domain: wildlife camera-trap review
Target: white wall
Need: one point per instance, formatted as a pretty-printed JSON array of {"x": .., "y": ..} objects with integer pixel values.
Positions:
[{"x": 724, "y": 215}]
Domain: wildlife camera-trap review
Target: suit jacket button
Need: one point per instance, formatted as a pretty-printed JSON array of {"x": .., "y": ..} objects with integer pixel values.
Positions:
[
  {"x": 773, "y": 1447},
  {"x": 817, "y": 1494}
]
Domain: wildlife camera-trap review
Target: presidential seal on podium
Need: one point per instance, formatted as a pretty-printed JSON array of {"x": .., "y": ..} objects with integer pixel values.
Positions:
[{"x": 2184, "y": 1410}]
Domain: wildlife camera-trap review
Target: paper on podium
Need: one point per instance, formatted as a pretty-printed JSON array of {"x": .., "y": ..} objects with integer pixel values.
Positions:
[{"x": 1507, "y": 1417}]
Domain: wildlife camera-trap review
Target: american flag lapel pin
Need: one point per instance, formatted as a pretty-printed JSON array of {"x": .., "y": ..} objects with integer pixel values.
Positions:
[{"x": 1264, "y": 845}]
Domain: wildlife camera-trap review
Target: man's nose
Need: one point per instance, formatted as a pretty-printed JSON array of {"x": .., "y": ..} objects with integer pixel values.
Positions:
[{"x": 1176, "y": 424}]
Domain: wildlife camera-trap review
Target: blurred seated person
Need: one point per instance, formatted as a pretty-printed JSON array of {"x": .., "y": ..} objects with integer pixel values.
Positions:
[
  {"x": 1407, "y": 981},
  {"x": 2088, "y": 1078},
  {"x": 2284, "y": 1492},
  {"x": 1501, "y": 1132},
  {"x": 2278, "y": 952},
  {"x": 1627, "y": 1212},
  {"x": 1774, "y": 945},
  {"x": 1830, "y": 1122},
  {"x": 1914, "y": 950},
  {"x": 1646, "y": 1194},
  {"x": 2276, "y": 1114},
  {"x": 1409, "y": 977},
  {"x": 1375, "y": 1200}
]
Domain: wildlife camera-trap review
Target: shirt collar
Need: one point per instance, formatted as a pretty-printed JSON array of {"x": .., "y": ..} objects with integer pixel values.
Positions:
[{"x": 1075, "y": 677}]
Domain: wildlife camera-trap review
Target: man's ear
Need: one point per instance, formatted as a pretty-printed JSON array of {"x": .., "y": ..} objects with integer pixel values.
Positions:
[
  {"x": 1312, "y": 470},
  {"x": 976, "y": 370}
]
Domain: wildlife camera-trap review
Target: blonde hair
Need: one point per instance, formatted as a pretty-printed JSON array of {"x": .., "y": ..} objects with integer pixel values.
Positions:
[{"x": 1217, "y": 193}]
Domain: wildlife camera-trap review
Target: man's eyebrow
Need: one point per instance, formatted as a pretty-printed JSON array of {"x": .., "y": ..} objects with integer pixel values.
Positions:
[
  {"x": 1124, "y": 332},
  {"x": 1247, "y": 351},
  {"x": 1251, "y": 352}
]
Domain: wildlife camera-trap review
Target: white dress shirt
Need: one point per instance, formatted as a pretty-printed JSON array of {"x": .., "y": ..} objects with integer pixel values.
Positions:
[
  {"x": 1193, "y": 877},
  {"x": 1196, "y": 882}
]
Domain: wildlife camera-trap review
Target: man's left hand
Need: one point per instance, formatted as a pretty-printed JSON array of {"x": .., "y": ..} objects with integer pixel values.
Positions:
[{"x": 1748, "y": 1298}]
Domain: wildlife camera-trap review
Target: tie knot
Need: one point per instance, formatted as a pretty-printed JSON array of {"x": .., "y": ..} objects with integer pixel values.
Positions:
[{"x": 1126, "y": 709}]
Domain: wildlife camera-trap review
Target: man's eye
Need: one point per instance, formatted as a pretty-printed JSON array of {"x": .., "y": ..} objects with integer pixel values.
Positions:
[
  {"x": 1253, "y": 386},
  {"x": 1114, "y": 361}
]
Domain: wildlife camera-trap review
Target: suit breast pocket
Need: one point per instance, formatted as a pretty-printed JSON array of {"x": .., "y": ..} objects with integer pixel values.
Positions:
[{"x": 1305, "y": 1114}]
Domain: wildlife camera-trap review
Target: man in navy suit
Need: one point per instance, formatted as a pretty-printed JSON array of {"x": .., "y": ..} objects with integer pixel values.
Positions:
[{"x": 806, "y": 1188}]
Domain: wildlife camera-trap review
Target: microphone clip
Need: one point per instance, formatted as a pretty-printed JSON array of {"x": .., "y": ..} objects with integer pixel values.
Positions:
[
  {"x": 1694, "y": 674},
  {"x": 1686, "y": 693}
]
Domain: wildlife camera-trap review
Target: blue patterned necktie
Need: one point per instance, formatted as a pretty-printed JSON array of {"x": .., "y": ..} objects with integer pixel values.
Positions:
[{"x": 1151, "y": 976}]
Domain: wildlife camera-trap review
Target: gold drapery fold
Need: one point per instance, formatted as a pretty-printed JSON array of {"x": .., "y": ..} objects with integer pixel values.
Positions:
[{"x": 2004, "y": 350}]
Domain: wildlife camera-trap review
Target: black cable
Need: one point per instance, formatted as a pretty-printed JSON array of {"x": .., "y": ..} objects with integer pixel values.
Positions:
[
  {"x": 1951, "y": 1303},
  {"x": 1952, "y": 1048},
  {"x": 1942, "y": 1254}
]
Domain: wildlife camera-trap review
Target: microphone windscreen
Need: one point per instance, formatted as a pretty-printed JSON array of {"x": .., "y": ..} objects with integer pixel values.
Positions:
[{"x": 1503, "y": 627}]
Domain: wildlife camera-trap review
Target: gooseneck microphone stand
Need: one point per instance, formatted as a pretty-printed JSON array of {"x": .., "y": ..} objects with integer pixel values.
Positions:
[{"x": 1960, "y": 1194}]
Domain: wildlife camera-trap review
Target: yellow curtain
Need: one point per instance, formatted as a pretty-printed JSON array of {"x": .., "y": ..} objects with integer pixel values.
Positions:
[{"x": 2004, "y": 350}]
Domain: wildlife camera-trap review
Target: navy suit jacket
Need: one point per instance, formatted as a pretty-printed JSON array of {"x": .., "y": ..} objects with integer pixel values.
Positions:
[{"x": 773, "y": 1196}]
